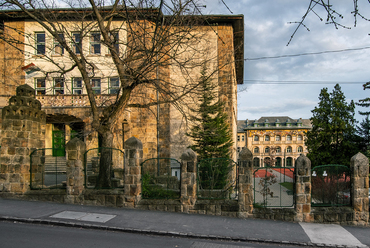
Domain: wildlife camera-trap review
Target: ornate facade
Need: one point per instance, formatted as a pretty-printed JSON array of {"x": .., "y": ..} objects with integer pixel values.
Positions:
[{"x": 276, "y": 141}]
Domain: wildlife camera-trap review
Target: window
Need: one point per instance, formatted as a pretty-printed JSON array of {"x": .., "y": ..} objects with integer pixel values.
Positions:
[
  {"x": 115, "y": 37},
  {"x": 300, "y": 149},
  {"x": 95, "y": 84},
  {"x": 113, "y": 85},
  {"x": 277, "y": 137},
  {"x": 256, "y": 162},
  {"x": 289, "y": 138},
  {"x": 58, "y": 48},
  {"x": 238, "y": 149},
  {"x": 256, "y": 138},
  {"x": 58, "y": 86},
  {"x": 77, "y": 43},
  {"x": 95, "y": 45},
  {"x": 77, "y": 86},
  {"x": 289, "y": 162},
  {"x": 238, "y": 137},
  {"x": 300, "y": 137},
  {"x": 40, "y": 86},
  {"x": 242, "y": 137},
  {"x": 278, "y": 149},
  {"x": 267, "y": 138},
  {"x": 289, "y": 149},
  {"x": 278, "y": 162},
  {"x": 267, "y": 149},
  {"x": 40, "y": 43},
  {"x": 256, "y": 150}
]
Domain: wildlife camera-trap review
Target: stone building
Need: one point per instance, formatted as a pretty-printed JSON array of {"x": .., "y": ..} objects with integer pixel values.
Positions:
[
  {"x": 280, "y": 138},
  {"x": 161, "y": 128}
]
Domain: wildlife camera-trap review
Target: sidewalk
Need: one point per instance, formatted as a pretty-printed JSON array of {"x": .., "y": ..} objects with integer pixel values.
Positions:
[{"x": 182, "y": 225}]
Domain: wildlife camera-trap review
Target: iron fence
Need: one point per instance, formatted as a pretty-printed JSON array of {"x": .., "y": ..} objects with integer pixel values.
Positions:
[
  {"x": 161, "y": 178},
  {"x": 47, "y": 171},
  {"x": 331, "y": 185},
  {"x": 274, "y": 187},
  {"x": 92, "y": 163},
  {"x": 217, "y": 178}
]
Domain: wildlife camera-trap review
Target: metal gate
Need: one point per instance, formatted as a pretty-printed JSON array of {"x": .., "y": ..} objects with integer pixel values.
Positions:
[
  {"x": 274, "y": 186},
  {"x": 217, "y": 178},
  {"x": 331, "y": 185}
]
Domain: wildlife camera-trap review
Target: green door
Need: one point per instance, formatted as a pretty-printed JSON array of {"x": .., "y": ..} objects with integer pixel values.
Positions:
[{"x": 58, "y": 143}]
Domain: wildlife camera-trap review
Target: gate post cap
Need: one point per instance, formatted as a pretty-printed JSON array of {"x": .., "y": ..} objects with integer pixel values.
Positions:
[
  {"x": 133, "y": 143},
  {"x": 245, "y": 154},
  {"x": 75, "y": 144},
  {"x": 188, "y": 155}
]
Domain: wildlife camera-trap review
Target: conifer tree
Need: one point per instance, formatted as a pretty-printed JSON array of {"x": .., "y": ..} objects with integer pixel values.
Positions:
[
  {"x": 331, "y": 140},
  {"x": 210, "y": 132},
  {"x": 363, "y": 132},
  {"x": 211, "y": 136},
  {"x": 365, "y": 102}
]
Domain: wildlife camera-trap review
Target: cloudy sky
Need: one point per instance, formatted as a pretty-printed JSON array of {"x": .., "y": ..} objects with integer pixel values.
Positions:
[{"x": 290, "y": 86}]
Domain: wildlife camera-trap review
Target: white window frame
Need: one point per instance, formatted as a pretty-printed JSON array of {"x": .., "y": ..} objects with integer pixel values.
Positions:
[
  {"x": 77, "y": 86},
  {"x": 40, "y": 89},
  {"x": 95, "y": 43},
  {"x": 40, "y": 43},
  {"x": 58, "y": 45}
]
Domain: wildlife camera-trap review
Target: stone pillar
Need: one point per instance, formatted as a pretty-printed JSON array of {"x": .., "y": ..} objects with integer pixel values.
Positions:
[
  {"x": 245, "y": 187},
  {"x": 75, "y": 150},
  {"x": 188, "y": 179},
  {"x": 23, "y": 130},
  {"x": 132, "y": 184},
  {"x": 360, "y": 188},
  {"x": 303, "y": 189}
]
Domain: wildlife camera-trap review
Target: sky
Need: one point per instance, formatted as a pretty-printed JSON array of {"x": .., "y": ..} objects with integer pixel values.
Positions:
[{"x": 290, "y": 86}]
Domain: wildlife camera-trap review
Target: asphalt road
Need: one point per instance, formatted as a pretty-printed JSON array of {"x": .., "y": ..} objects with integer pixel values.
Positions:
[{"x": 16, "y": 235}]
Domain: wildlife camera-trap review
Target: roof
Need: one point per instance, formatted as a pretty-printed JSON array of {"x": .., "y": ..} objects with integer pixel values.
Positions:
[{"x": 273, "y": 122}]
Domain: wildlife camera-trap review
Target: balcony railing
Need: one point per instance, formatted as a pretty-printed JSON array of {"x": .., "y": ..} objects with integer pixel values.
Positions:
[{"x": 74, "y": 100}]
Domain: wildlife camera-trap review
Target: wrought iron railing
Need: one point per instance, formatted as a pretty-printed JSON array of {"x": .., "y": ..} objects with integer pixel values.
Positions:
[
  {"x": 217, "y": 179},
  {"x": 331, "y": 185},
  {"x": 273, "y": 187},
  {"x": 46, "y": 170},
  {"x": 161, "y": 178},
  {"x": 92, "y": 163}
]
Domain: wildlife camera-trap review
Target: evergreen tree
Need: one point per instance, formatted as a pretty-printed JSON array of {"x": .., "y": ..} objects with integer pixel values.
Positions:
[
  {"x": 210, "y": 131},
  {"x": 211, "y": 135},
  {"x": 363, "y": 132},
  {"x": 332, "y": 138},
  {"x": 365, "y": 102}
]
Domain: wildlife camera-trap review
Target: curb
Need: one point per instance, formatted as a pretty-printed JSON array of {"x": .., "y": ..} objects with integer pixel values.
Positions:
[{"x": 159, "y": 233}]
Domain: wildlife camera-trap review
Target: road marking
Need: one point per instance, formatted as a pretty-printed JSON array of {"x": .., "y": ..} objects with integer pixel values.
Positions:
[
  {"x": 94, "y": 217},
  {"x": 330, "y": 234},
  {"x": 214, "y": 245}
]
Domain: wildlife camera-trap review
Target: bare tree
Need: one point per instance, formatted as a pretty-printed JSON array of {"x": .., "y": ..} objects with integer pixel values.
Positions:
[
  {"x": 143, "y": 38},
  {"x": 332, "y": 17}
]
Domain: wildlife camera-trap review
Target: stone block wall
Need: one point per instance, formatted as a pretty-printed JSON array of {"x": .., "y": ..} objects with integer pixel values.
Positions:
[{"x": 22, "y": 132}]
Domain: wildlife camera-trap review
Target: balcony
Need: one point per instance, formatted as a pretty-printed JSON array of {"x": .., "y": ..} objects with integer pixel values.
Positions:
[{"x": 74, "y": 100}]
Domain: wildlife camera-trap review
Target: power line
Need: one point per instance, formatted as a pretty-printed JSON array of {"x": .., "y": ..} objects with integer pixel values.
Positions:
[
  {"x": 305, "y": 54},
  {"x": 254, "y": 81}
]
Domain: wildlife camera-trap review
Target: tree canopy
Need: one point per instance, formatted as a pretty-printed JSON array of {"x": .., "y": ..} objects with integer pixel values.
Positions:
[{"x": 331, "y": 140}]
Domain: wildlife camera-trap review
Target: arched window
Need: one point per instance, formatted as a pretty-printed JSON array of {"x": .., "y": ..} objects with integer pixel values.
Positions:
[
  {"x": 256, "y": 138},
  {"x": 289, "y": 149},
  {"x": 278, "y": 149},
  {"x": 267, "y": 149},
  {"x": 288, "y": 137},
  {"x": 256, "y": 150},
  {"x": 300, "y": 137},
  {"x": 278, "y": 162},
  {"x": 277, "y": 138},
  {"x": 267, "y": 138},
  {"x": 300, "y": 149},
  {"x": 289, "y": 162},
  {"x": 256, "y": 162}
]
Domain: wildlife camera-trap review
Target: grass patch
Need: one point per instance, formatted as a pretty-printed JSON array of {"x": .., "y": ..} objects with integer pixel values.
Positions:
[{"x": 287, "y": 185}]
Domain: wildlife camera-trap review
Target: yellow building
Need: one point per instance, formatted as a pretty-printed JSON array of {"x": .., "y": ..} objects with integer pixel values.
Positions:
[{"x": 277, "y": 140}]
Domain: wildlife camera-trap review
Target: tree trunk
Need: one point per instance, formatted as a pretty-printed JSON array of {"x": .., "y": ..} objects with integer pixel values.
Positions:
[{"x": 105, "y": 165}]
